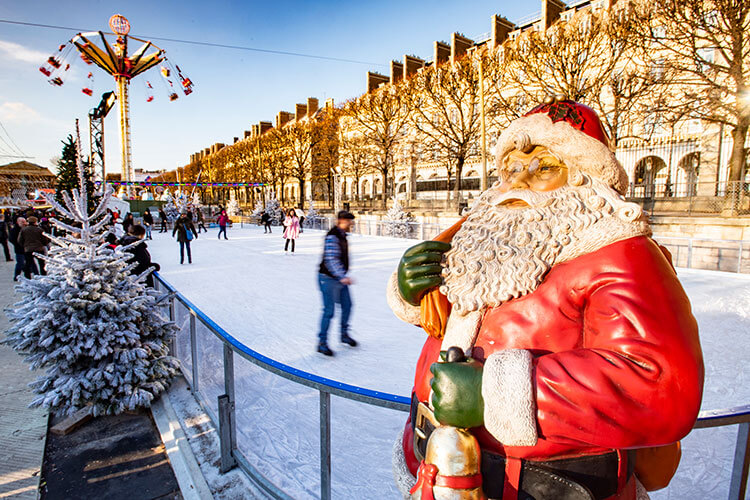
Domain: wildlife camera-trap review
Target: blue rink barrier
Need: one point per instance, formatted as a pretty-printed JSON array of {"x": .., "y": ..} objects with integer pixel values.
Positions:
[{"x": 222, "y": 410}]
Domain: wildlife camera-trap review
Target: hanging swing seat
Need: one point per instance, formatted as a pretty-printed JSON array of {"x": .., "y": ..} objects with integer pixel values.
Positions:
[
  {"x": 88, "y": 92},
  {"x": 45, "y": 71}
]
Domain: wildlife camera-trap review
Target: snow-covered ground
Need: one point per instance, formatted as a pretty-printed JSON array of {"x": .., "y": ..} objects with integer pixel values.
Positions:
[{"x": 270, "y": 301}]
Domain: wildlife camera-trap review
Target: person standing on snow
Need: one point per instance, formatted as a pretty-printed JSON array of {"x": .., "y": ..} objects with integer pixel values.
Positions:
[
  {"x": 163, "y": 220},
  {"x": 148, "y": 221},
  {"x": 223, "y": 220},
  {"x": 265, "y": 219},
  {"x": 185, "y": 231},
  {"x": 291, "y": 233},
  {"x": 334, "y": 282}
]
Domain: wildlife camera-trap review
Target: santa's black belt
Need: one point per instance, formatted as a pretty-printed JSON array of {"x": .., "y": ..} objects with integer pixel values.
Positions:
[{"x": 591, "y": 477}]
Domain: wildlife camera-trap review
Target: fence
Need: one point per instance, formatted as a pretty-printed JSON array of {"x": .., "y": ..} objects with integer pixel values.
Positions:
[
  {"x": 211, "y": 358},
  {"x": 692, "y": 198}
]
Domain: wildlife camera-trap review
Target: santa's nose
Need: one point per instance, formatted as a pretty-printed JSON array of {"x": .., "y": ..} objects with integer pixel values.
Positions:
[{"x": 520, "y": 180}]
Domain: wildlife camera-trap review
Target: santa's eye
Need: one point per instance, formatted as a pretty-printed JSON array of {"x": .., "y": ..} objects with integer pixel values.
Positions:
[
  {"x": 533, "y": 165},
  {"x": 515, "y": 167}
]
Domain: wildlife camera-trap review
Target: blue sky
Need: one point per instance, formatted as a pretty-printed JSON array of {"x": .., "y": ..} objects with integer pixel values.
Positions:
[{"x": 233, "y": 89}]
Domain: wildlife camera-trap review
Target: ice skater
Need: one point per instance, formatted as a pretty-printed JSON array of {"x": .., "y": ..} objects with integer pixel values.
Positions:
[
  {"x": 334, "y": 282},
  {"x": 265, "y": 219},
  {"x": 222, "y": 220},
  {"x": 201, "y": 220},
  {"x": 148, "y": 221},
  {"x": 291, "y": 233},
  {"x": 185, "y": 231}
]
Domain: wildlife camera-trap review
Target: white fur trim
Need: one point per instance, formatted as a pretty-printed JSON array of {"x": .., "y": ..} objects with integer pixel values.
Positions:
[
  {"x": 401, "y": 308},
  {"x": 575, "y": 148},
  {"x": 604, "y": 232},
  {"x": 404, "y": 480},
  {"x": 640, "y": 491},
  {"x": 461, "y": 330},
  {"x": 509, "y": 403}
]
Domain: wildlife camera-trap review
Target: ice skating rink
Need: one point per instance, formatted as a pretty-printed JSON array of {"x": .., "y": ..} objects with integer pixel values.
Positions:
[{"x": 270, "y": 301}]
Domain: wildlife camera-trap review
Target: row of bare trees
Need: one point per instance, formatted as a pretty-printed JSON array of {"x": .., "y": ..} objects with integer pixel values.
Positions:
[{"x": 674, "y": 60}]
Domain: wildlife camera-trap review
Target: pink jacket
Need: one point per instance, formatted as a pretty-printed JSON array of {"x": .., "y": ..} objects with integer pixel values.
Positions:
[{"x": 292, "y": 228}]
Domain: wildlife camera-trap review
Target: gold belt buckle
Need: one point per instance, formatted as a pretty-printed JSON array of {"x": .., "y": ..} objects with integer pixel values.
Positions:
[{"x": 424, "y": 416}]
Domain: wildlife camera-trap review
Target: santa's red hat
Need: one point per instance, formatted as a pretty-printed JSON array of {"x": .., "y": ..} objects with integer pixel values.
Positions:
[{"x": 571, "y": 131}]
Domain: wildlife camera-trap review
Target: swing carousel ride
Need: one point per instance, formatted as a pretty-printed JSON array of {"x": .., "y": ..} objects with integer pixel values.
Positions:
[{"x": 115, "y": 60}]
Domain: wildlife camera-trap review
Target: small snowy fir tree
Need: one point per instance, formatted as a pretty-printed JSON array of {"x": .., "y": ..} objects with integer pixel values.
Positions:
[
  {"x": 196, "y": 200},
  {"x": 273, "y": 208},
  {"x": 313, "y": 217},
  {"x": 233, "y": 208},
  {"x": 259, "y": 208},
  {"x": 95, "y": 328},
  {"x": 397, "y": 222}
]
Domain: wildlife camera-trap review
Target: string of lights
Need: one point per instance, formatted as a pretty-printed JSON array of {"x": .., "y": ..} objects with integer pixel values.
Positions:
[{"x": 191, "y": 184}]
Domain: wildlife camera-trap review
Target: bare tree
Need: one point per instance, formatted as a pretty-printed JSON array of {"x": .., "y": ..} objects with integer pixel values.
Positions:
[
  {"x": 706, "y": 43},
  {"x": 356, "y": 157},
  {"x": 298, "y": 140},
  {"x": 445, "y": 104},
  {"x": 380, "y": 117}
]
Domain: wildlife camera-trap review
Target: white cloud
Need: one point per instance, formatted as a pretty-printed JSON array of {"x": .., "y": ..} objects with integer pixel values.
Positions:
[
  {"x": 18, "y": 112},
  {"x": 21, "y": 53}
]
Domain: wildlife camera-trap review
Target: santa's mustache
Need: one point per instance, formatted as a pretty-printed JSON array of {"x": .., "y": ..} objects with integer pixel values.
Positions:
[{"x": 536, "y": 199}]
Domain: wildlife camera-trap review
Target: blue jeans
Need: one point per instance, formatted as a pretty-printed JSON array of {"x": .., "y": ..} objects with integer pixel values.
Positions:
[
  {"x": 148, "y": 231},
  {"x": 184, "y": 244},
  {"x": 20, "y": 264},
  {"x": 333, "y": 291},
  {"x": 223, "y": 229}
]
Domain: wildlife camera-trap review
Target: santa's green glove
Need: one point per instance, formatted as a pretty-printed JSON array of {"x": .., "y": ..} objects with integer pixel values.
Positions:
[
  {"x": 419, "y": 270},
  {"x": 457, "y": 391}
]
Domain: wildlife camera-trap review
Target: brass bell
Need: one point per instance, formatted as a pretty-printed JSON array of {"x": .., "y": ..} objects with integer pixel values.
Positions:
[{"x": 453, "y": 457}]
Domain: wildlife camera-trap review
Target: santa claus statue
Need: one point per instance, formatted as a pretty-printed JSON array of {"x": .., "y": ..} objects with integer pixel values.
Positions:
[{"x": 582, "y": 366}]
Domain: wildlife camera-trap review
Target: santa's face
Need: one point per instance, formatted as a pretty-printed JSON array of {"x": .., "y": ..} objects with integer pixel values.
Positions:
[
  {"x": 520, "y": 227},
  {"x": 538, "y": 170}
]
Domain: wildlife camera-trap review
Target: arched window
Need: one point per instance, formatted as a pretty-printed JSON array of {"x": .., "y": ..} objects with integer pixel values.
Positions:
[
  {"x": 649, "y": 178},
  {"x": 686, "y": 176}
]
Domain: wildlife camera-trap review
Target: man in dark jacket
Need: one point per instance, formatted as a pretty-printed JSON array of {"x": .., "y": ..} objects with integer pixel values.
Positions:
[
  {"x": 33, "y": 240},
  {"x": 163, "y": 220},
  {"x": 140, "y": 253},
  {"x": 265, "y": 219},
  {"x": 17, "y": 247},
  {"x": 334, "y": 282},
  {"x": 4, "y": 237}
]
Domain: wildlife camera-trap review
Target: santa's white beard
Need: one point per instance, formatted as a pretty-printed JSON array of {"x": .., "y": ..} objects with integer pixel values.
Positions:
[{"x": 502, "y": 253}]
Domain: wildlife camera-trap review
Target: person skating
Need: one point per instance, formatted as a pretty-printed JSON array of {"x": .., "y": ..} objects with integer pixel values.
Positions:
[
  {"x": 201, "y": 220},
  {"x": 223, "y": 220},
  {"x": 17, "y": 247},
  {"x": 291, "y": 233},
  {"x": 148, "y": 221},
  {"x": 334, "y": 282},
  {"x": 140, "y": 253},
  {"x": 185, "y": 231},
  {"x": 265, "y": 219},
  {"x": 33, "y": 240},
  {"x": 163, "y": 220},
  {"x": 127, "y": 222}
]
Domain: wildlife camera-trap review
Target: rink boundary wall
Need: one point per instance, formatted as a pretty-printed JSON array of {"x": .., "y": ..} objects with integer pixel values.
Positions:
[{"x": 224, "y": 420}]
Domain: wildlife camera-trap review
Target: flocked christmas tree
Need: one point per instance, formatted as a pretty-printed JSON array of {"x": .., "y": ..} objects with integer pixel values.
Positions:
[
  {"x": 259, "y": 208},
  {"x": 313, "y": 217},
  {"x": 233, "y": 208},
  {"x": 273, "y": 209},
  {"x": 92, "y": 326},
  {"x": 397, "y": 222}
]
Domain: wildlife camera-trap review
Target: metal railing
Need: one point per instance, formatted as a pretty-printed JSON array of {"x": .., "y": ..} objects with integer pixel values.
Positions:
[{"x": 224, "y": 418}]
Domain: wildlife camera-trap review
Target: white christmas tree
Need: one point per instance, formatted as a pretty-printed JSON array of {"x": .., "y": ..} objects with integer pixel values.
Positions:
[
  {"x": 259, "y": 208},
  {"x": 313, "y": 217},
  {"x": 196, "y": 200},
  {"x": 397, "y": 222},
  {"x": 233, "y": 208},
  {"x": 95, "y": 328},
  {"x": 273, "y": 208}
]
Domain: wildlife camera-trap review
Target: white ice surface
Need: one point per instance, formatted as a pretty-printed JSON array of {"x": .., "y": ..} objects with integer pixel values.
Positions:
[{"x": 270, "y": 302}]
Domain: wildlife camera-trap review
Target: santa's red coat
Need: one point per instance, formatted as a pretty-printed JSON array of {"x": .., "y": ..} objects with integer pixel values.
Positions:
[{"x": 617, "y": 360}]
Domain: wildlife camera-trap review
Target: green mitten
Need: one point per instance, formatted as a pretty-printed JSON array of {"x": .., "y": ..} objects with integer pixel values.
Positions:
[
  {"x": 457, "y": 393},
  {"x": 419, "y": 270}
]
